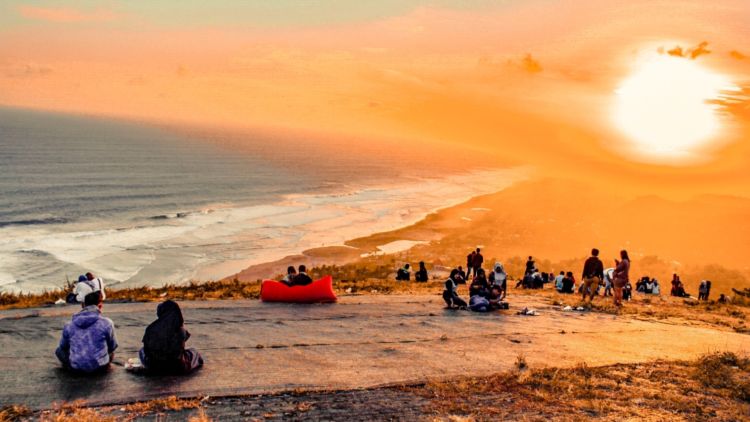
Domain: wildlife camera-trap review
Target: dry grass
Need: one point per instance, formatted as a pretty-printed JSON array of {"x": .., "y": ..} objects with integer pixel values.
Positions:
[
  {"x": 75, "y": 412},
  {"x": 725, "y": 316},
  {"x": 166, "y": 404},
  {"x": 714, "y": 387},
  {"x": 14, "y": 412}
]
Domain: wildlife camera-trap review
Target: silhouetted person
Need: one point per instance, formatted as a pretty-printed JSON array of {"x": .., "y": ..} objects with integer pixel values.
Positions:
[
  {"x": 470, "y": 263},
  {"x": 450, "y": 295},
  {"x": 568, "y": 283},
  {"x": 301, "y": 279},
  {"x": 593, "y": 274},
  {"x": 460, "y": 276},
  {"x": 404, "y": 273},
  {"x": 421, "y": 274},
  {"x": 477, "y": 261},
  {"x": 164, "y": 343},
  {"x": 530, "y": 266},
  {"x": 621, "y": 276},
  {"x": 290, "y": 273},
  {"x": 88, "y": 342}
]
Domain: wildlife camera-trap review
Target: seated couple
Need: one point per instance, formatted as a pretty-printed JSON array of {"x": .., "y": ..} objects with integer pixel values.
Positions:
[
  {"x": 294, "y": 278},
  {"x": 86, "y": 284},
  {"x": 88, "y": 342},
  {"x": 404, "y": 273}
]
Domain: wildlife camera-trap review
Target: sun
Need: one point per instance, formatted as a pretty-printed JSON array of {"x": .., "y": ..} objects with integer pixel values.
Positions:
[{"x": 663, "y": 106}]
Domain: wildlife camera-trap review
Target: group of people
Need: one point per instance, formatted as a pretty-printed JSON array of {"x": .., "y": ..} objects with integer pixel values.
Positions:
[
  {"x": 486, "y": 293},
  {"x": 296, "y": 278},
  {"x": 615, "y": 281},
  {"x": 647, "y": 285},
  {"x": 88, "y": 341},
  {"x": 404, "y": 273}
]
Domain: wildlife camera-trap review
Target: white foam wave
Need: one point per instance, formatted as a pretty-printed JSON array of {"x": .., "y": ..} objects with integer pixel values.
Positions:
[{"x": 211, "y": 245}]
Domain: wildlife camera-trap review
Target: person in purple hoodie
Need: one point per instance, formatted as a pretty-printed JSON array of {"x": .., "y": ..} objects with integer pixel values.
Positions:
[{"x": 88, "y": 342}]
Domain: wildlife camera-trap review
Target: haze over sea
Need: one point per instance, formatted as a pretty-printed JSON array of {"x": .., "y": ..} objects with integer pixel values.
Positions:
[{"x": 147, "y": 205}]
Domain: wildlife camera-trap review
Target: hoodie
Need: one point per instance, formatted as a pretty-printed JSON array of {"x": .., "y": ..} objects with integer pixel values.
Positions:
[
  {"x": 498, "y": 276},
  {"x": 88, "y": 340}
]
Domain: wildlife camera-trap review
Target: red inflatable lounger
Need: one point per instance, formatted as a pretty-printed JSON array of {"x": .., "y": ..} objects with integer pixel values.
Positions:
[{"x": 320, "y": 291}]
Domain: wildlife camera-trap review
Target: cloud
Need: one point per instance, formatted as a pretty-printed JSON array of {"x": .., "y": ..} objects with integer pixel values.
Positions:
[
  {"x": 690, "y": 53},
  {"x": 65, "y": 15},
  {"x": 26, "y": 70},
  {"x": 737, "y": 55},
  {"x": 530, "y": 64}
]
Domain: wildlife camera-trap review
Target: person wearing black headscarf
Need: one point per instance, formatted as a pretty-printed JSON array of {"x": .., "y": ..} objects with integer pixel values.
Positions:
[{"x": 164, "y": 343}]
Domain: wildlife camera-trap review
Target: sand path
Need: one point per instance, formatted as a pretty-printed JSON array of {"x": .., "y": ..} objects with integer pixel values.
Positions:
[{"x": 363, "y": 341}]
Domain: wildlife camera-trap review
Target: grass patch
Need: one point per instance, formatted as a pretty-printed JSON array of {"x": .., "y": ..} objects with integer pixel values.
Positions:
[
  {"x": 713, "y": 387},
  {"x": 14, "y": 412}
]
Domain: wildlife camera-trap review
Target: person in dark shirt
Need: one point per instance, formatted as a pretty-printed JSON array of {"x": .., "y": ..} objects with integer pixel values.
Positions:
[
  {"x": 404, "y": 273},
  {"x": 480, "y": 286},
  {"x": 450, "y": 295},
  {"x": 421, "y": 274},
  {"x": 593, "y": 274},
  {"x": 301, "y": 279},
  {"x": 530, "y": 266},
  {"x": 461, "y": 276},
  {"x": 290, "y": 273},
  {"x": 470, "y": 263},
  {"x": 477, "y": 261},
  {"x": 568, "y": 283}
]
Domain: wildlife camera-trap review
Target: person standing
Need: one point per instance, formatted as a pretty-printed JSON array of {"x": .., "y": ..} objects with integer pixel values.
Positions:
[
  {"x": 470, "y": 264},
  {"x": 593, "y": 274},
  {"x": 478, "y": 261},
  {"x": 530, "y": 266},
  {"x": 621, "y": 276}
]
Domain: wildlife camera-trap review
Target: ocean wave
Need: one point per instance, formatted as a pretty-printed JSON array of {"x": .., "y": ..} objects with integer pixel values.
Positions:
[{"x": 35, "y": 221}]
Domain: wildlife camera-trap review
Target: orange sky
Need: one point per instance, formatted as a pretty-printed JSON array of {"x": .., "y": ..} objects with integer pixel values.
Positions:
[{"x": 533, "y": 80}]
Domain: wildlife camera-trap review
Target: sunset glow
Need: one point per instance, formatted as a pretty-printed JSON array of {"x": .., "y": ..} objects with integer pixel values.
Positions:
[{"x": 664, "y": 106}]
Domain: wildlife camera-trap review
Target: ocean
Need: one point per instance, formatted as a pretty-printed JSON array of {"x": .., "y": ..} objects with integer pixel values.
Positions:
[{"x": 139, "y": 204}]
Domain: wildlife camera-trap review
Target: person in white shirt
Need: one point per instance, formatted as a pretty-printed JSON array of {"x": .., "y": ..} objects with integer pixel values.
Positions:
[{"x": 88, "y": 284}]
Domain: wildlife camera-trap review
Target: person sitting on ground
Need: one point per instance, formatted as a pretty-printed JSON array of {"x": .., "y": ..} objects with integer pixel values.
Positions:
[
  {"x": 479, "y": 286},
  {"x": 478, "y": 303},
  {"x": 568, "y": 284},
  {"x": 450, "y": 295},
  {"x": 592, "y": 275},
  {"x": 722, "y": 298},
  {"x": 461, "y": 276},
  {"x": 87, "y": 284},
  {"x": 164, "y": 343},
  {"x": 404, "y": 273},
  {"x": 499, "y": 278},
  {"x": 656, "y": 289},
  {"x": 536, "y": 280},
  {"x": 559, "y": 281},
  {"x": 301, "y": 279},
  {"x": 88, "y": 342},
  {"x": 627, "y": 291},
  {"x": 457, "y": 276},
  {"x": 676, "y": 286},
  {"x": 290, "y": 273},
  {"x": 421, "y": 274},
  {"x": 496, "y": 298},
  {"x": 648, "y": 286}
]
